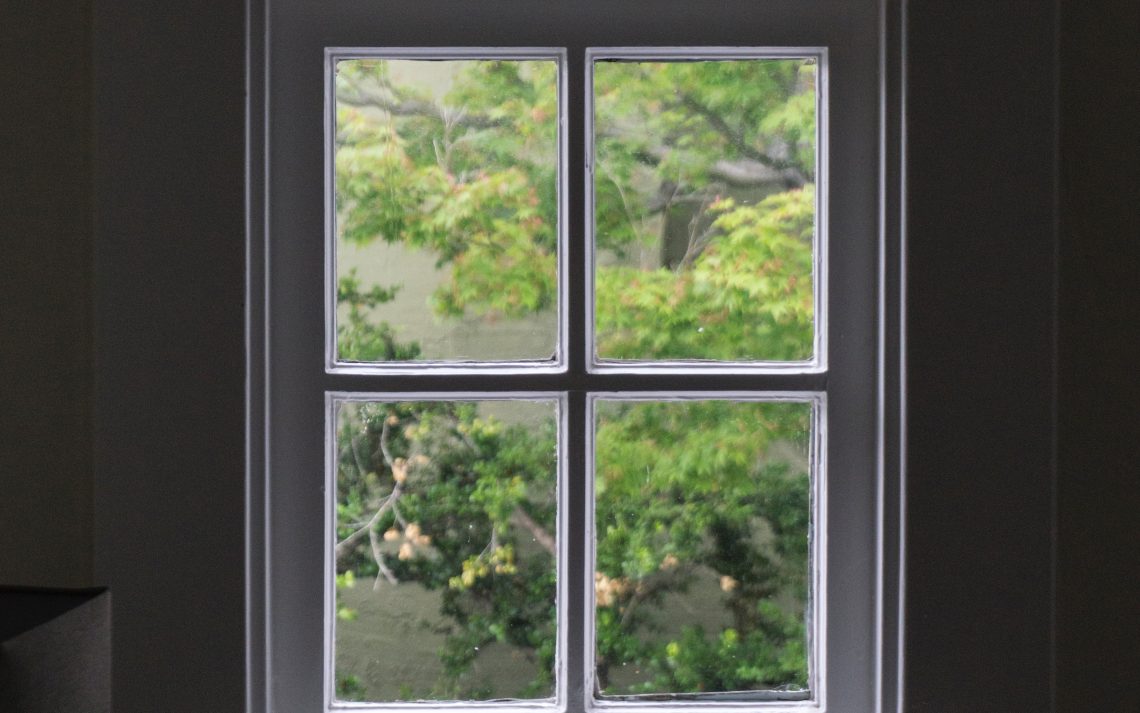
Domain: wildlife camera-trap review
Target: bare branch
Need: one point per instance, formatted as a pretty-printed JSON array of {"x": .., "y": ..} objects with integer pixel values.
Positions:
[
  {"x": 384, "y": 431},
  {"x": 742, "y": 173},
  {"x": 374, "y": 538},
  {"x": 661, "y": 202},
  {"x": 359, "y": 94},
  {"x": 356, "y": 456},
  {"x": 747, "y": 173},
  {"x": 389, "y": 503},
  {"x": 735, "y": 137},
  {"x": 492, "y": 544},
  {"x": 695, "y": 222},
  {"x": 343, "y": 547},
  {"x": 399, "y": 517},
  {"x": 637, "y": 225},
  {"x": 697, "y": 243},
  {"x": 541, "y": 536},
  {"x": 696, "y": 247}
]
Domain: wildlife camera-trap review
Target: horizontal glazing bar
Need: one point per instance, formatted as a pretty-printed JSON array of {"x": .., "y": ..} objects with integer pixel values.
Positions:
[{"x": 575, "y": 382}]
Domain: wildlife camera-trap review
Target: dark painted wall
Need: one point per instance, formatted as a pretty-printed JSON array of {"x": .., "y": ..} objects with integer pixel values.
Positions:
[
  {"x": 45, "y": 293},
  {"x": 169, "y": 348},
  {"x": 168, "y": 353},
  {"x": 981, "y": 238},
  {"x": 1098, "y": 527}
]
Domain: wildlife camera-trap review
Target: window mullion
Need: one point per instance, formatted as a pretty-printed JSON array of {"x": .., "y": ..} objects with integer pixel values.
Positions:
[
  {"x": 574, "y": 201},
  {"x": 575, "y": 577},
  {"x": 578, "y": 349}
]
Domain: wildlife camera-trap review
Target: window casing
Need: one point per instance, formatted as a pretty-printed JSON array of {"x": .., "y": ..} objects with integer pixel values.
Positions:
[{"x": 295, "y": 540}]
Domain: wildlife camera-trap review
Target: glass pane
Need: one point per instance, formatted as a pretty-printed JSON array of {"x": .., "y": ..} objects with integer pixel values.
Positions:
[
  {"x": 445, "y": 554},
  {"x": 705, "y": 209},
  {"x": 703, "y": 514},
  {"x": 447, "y": 209}
]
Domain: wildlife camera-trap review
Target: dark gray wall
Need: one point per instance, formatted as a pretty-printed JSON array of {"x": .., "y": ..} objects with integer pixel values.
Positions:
[
  {"x": 981, "y": 237},
  {"x": 169, "y": 348},
  {"x": 1098, "y": 526},
  {"x": 168, "y": 389},
  {"x": 45, "y": 293}
]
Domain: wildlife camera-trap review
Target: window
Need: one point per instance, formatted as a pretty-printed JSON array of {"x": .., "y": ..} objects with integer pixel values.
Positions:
[{"x": 648, "y": 288}]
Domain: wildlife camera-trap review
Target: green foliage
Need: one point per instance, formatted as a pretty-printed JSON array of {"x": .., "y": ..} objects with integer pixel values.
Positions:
[
  {"x": 462, "y": 482},
  {"x": 771, "y": 657},
  {"x": 349, "y": 688},
  {"x": 687, "y": 490},
  {"x": 476, "y": 186},
  {"x": 358, "y": 338},
  {"x": 691, "y": 497},
  {"x": 747, "y": 295},
  {"x": 662, "y": 128}
]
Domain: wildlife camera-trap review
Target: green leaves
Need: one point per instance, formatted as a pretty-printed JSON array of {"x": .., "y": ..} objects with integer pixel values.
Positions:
[
  {"x": 690, "y": 498},
  {"x": 703, "y": 153},
  {"x": 460, "y": 479},
  {"x": 470, "y": 178},
  {"x": 747, "y": 295}
]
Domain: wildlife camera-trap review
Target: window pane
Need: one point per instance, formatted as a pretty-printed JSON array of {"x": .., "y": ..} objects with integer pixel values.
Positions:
[
  {"x": 704, "y": 183},
  {"x": 446, "y": 209},
  {"x": 446, "y": 551},
  {"x": 703, "y": 517}
]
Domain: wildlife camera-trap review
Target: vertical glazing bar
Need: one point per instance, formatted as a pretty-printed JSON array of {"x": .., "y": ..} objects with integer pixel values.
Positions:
[
  {"x": 576, "y": 208},
  {"x": 577, "y": 356},
  {"x": 578, "y": 520}
]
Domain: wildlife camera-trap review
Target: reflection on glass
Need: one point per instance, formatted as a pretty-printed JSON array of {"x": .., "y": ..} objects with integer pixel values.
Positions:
[
  {"x": 445, "y": 553},
  {"x": 447, "y": 209},
  {"x": 702, "y": 523},
  {"x": 704, "y": 209}
]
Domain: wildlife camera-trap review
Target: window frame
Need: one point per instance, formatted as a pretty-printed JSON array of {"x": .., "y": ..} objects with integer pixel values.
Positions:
[{"x": 281, "y": 593}]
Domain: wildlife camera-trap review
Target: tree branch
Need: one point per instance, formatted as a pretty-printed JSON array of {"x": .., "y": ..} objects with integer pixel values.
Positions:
[
  {"x": 742, "y": 173},
  {"x": 344, "y": 546},
  {"x": 634, "y": 223},
  {"x": 736, "y": 137},
  {"x": 356, "y": 457},
  {"x": 357, "y": 94},
  {"x": 541, "y": 536},
  {"x": 384, "y": 431},
  {"x": 382, "y": 569},
  {"x": 697, "y": 243}
]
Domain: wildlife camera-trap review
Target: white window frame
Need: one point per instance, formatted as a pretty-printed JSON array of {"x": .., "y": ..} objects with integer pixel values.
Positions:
[{"x": 284, "y": 497}]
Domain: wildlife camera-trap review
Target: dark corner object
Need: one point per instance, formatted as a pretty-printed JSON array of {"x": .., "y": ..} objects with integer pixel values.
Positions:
[{"x": 55, "y": 650}]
